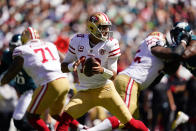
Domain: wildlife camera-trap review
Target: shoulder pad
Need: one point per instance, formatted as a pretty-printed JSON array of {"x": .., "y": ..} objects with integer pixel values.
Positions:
[{"x": 159, "y": 34}]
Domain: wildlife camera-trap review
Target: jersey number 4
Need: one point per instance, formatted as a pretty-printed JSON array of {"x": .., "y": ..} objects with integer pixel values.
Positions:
[
  {"x": 43, "y": 53},
  {"x": 137, "y": 58}
]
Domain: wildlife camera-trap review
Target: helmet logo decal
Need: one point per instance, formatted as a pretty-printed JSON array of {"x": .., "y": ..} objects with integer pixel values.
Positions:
[{"x": 94, "y": 19}]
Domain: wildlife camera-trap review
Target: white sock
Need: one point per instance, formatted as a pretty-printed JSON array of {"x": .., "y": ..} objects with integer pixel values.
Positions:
[{"x": 103, "y": 126}]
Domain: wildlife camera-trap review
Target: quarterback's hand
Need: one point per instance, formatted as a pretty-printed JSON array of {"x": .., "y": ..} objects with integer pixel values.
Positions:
[
  {"x": 77, "y": 63},
  {"x": 97, "y": 69}
]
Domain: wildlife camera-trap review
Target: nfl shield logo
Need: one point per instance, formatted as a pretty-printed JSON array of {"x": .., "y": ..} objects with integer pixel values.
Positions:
[{"x": 101, "y": 51}]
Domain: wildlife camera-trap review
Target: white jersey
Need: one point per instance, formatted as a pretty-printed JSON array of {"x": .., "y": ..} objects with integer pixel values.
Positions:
[
  {"x": 41, "y": 61},
  {"x": 79, "y": 47},
  {"x": 145, "y": 66}
]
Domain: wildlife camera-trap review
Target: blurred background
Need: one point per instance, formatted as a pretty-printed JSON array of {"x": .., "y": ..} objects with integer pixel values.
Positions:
[{"x": 58, "y": 20}]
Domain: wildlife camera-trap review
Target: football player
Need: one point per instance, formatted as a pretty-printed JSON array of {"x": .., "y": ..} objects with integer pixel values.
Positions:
[
  {"x": 147, "y": 66},
  {"x": 23, "y": 84},
  {"x": 40, "y": 60},
  {"x": 189, "y": 56},
  {"x": 98, "y": 89}
]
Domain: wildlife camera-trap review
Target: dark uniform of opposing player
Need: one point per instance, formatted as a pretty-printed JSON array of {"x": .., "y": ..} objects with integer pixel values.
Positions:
[{"x": 23, "y": 84}]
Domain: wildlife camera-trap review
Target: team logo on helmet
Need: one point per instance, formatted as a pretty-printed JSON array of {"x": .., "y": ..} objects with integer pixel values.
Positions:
[{"x": 99, "y": 26}]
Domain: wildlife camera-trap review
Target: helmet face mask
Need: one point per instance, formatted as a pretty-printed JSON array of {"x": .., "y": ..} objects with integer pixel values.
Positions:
[
  {"x": 173, "y": 37},
  {"x": 99, "y": 26},
  {"x": 29, "y": 34}
]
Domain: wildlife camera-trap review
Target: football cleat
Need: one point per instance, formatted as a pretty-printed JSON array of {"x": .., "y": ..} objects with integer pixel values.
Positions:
[
  {"x": 82, "y": 127},
  {"x": 181, "y": 118}
]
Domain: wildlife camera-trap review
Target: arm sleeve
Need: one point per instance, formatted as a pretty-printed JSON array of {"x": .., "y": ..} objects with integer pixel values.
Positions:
[
  {"x": 114, "y": 49},
  {"x": 70, "y": 56},
  {"x": 112, "y": 64}
]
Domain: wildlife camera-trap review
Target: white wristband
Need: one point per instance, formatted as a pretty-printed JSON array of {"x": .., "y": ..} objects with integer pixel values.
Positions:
[
  {"x": 70, "y": 66},
  {"x": 107, "y": 73}
]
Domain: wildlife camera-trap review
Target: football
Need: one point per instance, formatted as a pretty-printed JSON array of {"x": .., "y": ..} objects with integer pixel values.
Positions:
[{"x": 88, "y": 65}]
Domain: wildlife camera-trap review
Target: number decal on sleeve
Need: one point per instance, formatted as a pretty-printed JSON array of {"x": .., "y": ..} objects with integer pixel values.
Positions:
[
  {"x": 137, "y": 58},
  {"x": 43, "y": 51}
]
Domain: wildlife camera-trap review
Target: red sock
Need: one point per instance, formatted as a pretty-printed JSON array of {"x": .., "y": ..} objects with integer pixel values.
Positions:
[
  {"x": 74, "y": 124},
  {"x": 136, "y": 125},
  {"x": 38, "y": 124},
  {"x": 114, "y": 121},
  {"x": 64, "y": 122}
]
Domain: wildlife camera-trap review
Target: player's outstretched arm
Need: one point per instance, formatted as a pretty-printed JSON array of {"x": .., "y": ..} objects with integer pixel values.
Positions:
[
  {"x": 168, "y": 53},
  {"x": 190, "y": 51},
  {"x": 13, "y": 70}
]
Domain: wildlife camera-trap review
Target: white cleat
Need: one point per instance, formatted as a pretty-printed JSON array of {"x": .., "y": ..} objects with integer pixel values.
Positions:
[
  {"x": 181, "y": 118},
  {"x": 82, "y": 127}
]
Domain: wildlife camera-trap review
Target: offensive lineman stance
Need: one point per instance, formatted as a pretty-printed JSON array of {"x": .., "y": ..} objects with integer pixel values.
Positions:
[{"x": 40, "y": 60}]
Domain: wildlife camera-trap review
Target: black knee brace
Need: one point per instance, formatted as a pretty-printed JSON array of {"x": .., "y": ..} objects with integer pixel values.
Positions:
[{"x": 23, "y": 125}]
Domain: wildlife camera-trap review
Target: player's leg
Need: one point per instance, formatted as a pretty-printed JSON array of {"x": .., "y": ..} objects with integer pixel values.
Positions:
[
  {"x": 78, "y": 106},
  {"x": 111, "y": 100},
  {"x": 97, "y": 114},
  {"x": 43, "y": 98},
  {"x": 19, "y": 113},
  {"x": 128, "y": 91}
]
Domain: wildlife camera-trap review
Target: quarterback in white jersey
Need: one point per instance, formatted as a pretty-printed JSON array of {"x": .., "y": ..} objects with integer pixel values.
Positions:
[
  {"x": 106, "y": 52},
  {"x": 98, "y": 89},
  {"x": 41, "y": 61}
]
